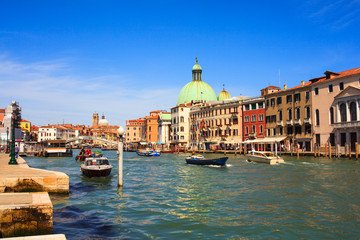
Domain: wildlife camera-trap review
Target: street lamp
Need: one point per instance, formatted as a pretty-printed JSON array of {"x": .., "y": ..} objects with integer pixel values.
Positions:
[
  {"x": 7, "y": 140},
  {"x": 12, "y": 154},
  {"x": 120, "y": 158}
]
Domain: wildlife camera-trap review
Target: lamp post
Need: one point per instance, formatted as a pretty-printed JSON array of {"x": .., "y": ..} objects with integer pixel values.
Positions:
[
  {"x": 12, "y": 154},
  {"x": 120, "y": 158},
  {"x": 7, "y": 140}
]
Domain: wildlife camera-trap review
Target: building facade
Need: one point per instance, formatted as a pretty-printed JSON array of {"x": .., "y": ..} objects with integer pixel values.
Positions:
[
  {"x": 253, "y": 118},
  {"x": 164, "y": 123},
  {"x": 135, "y": 130},
  {"x": 323, "y": 91}
]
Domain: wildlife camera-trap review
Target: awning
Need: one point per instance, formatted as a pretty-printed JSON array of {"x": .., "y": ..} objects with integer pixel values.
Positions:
[
  {"x": 266, "y": 140},
  {"x": 160, "y": 143},
  {"x": 143, "y": 143}
]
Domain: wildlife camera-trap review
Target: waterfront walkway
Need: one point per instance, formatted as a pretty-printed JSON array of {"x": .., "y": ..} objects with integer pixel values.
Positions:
[{"x": 22, "y": 178}]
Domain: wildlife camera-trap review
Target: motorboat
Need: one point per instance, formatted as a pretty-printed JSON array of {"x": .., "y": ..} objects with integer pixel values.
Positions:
[
  {"x": 148, "y": 153},
  {"x": 264, "y": 157},
  {"x": 201, "y": 160},
  {"x": 96, "y": 167}
]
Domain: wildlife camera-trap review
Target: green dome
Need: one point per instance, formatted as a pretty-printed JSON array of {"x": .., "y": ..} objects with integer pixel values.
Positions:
[
  {"x": 223, "y": 95},
  {"x": 196, "y": 91}
]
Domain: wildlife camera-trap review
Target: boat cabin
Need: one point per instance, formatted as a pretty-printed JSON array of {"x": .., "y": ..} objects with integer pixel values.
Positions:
[
  {"x": 96, "y": 161},
  {"x": 56, "y": 148}
]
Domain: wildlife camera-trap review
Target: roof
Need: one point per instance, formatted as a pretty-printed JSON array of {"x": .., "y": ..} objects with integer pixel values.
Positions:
[
  {"x": 336, "y": 75},
  {"x": 266, "y": 140},
  {"x": 196, "y": 91},
  {"x": 165, "y": 116}
]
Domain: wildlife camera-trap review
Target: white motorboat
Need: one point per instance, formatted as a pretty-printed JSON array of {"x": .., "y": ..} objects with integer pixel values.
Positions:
[{"x": 264, "y": 157}]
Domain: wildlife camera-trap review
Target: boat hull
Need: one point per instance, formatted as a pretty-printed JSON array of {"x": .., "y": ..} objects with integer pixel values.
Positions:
[
  {"x": 96, "y": 173},
  {"x": 59, "y": 154},
  {"x": 148, "y": 154},
  {"x": 260, "y": 159},
  {"x": 215, "y": 161}
]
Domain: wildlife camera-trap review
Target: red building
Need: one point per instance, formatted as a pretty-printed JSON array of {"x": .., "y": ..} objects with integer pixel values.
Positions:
[{"x": 253, "y": 117}]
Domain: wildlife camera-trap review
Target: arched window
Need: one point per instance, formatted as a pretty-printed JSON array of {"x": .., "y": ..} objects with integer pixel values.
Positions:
[
  {"x": 181, "y": 129},
  {"x": 353, "y": 111},
  {"x": 261, "y": 129},
  {"x": 317, "y": 116},
  {"x": 253, "y": 129},
  {"x": 297, "y": 113},
  {"x": 343, "y": 112},
  {"x": 181, "y": 119},
  {"x": 331, "y": 111}
]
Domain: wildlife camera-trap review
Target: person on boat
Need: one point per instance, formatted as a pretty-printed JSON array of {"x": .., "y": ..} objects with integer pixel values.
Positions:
[
  {"x": 88, "y": 151},
  {"x": 82, "y": 151}
]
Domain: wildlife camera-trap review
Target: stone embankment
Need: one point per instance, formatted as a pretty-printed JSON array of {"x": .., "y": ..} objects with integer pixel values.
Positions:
[
  {"x": 25, "y": 205},
  {"x": 22, "y": 178}
]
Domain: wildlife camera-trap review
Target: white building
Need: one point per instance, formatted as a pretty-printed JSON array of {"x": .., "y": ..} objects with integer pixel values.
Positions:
[
  {"x": 164, "y": 122},
  {"x": 52, "y": 132}
]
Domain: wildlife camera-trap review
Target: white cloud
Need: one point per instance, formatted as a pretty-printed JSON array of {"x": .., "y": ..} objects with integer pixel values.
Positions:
[{"x": 48, "y": 95}]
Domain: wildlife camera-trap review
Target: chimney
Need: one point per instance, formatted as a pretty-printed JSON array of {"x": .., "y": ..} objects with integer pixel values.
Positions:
[
  {"x": 302, "y": 83},
  {"x": 285, "y": 86}
]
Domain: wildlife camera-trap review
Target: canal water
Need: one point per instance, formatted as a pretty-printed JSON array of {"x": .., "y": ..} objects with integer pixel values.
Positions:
[{"x": 165, "y": 198}]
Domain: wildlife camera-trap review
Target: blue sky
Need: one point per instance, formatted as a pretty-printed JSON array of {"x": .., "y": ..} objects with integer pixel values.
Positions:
[{"x": 64, "y": 60}]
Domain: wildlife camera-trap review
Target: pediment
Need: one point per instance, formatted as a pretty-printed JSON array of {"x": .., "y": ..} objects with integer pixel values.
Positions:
[{"x": 348, "y": 92}]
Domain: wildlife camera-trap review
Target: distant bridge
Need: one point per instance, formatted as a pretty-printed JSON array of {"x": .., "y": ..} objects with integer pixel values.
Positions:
[{"x": 90, "y": 138}]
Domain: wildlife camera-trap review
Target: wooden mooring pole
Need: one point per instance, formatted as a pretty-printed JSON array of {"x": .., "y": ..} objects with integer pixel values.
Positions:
[
  {"x": 326, "y": 150},
  {"x": 357, "y": 150}
]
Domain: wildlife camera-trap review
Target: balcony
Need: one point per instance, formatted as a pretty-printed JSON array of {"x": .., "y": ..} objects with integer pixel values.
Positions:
[
  {"x": 297, "y": 121},
  {"x": 219, "y": 125},
  {"x": 279, "y": 123},
  {"x": 228, "y": 124},
  {"x": 234, "y": 111},
  {"x": 307, "y": 121},
  {"x": 289, "y": 122},
  {"x": 347, "y": 124}
]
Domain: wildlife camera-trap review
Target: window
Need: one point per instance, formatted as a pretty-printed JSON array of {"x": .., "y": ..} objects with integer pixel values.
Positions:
[
  {"x": 280, "y": 130},
  {"x": 261, "y": 105},
  {"x": 267, "y": 102},
  {"x": 149, "y": 128},
  {"x": 279, "y": 100},
  {"x": 317, "y": 116},
  {"x": 273, "y": 118},
  {"x": 316, "y": 91},
  {"x": 268, "y": 132},
  {"x": 253, "y": 129},
  {"x": 253, "y": 118},
  {"x": 290, "y": 130},
  {"x": 341, "y": 86},
  {"x": 253, "y": 106},
  {"x": 330, "y": 88},
  {"x": 261, "y": 117},
  {"x": 307, "y": 96},
  {"x": 308, "y": 112},
  {"x": 267, "y": 119},
  {"x": 181, "y": 129},
  {"x": 272, "y": 102},
  {"x": 288, "y": 99},
  {"x": 343, "y": 116},
  {"x": 297, "y": 97},
  {"x": 261, "y": 129},
  {"x": 280, "y": 115},
  {"x": 247, "y": 107},
  {"x": 246, "y": 119},
  {"x": 331, "y": 112},
  {"x": 246, "y": 130},
  {"x": 289, "y": 114},
  {"x": 297, "y": 113},
  {"x": 181, "y": 119},
  {"x": 353, "y": 112},
  {"x": 297, "y": 130},
  {"x": 274, "y": 131},
  {"x": 307, "y": 129}
]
